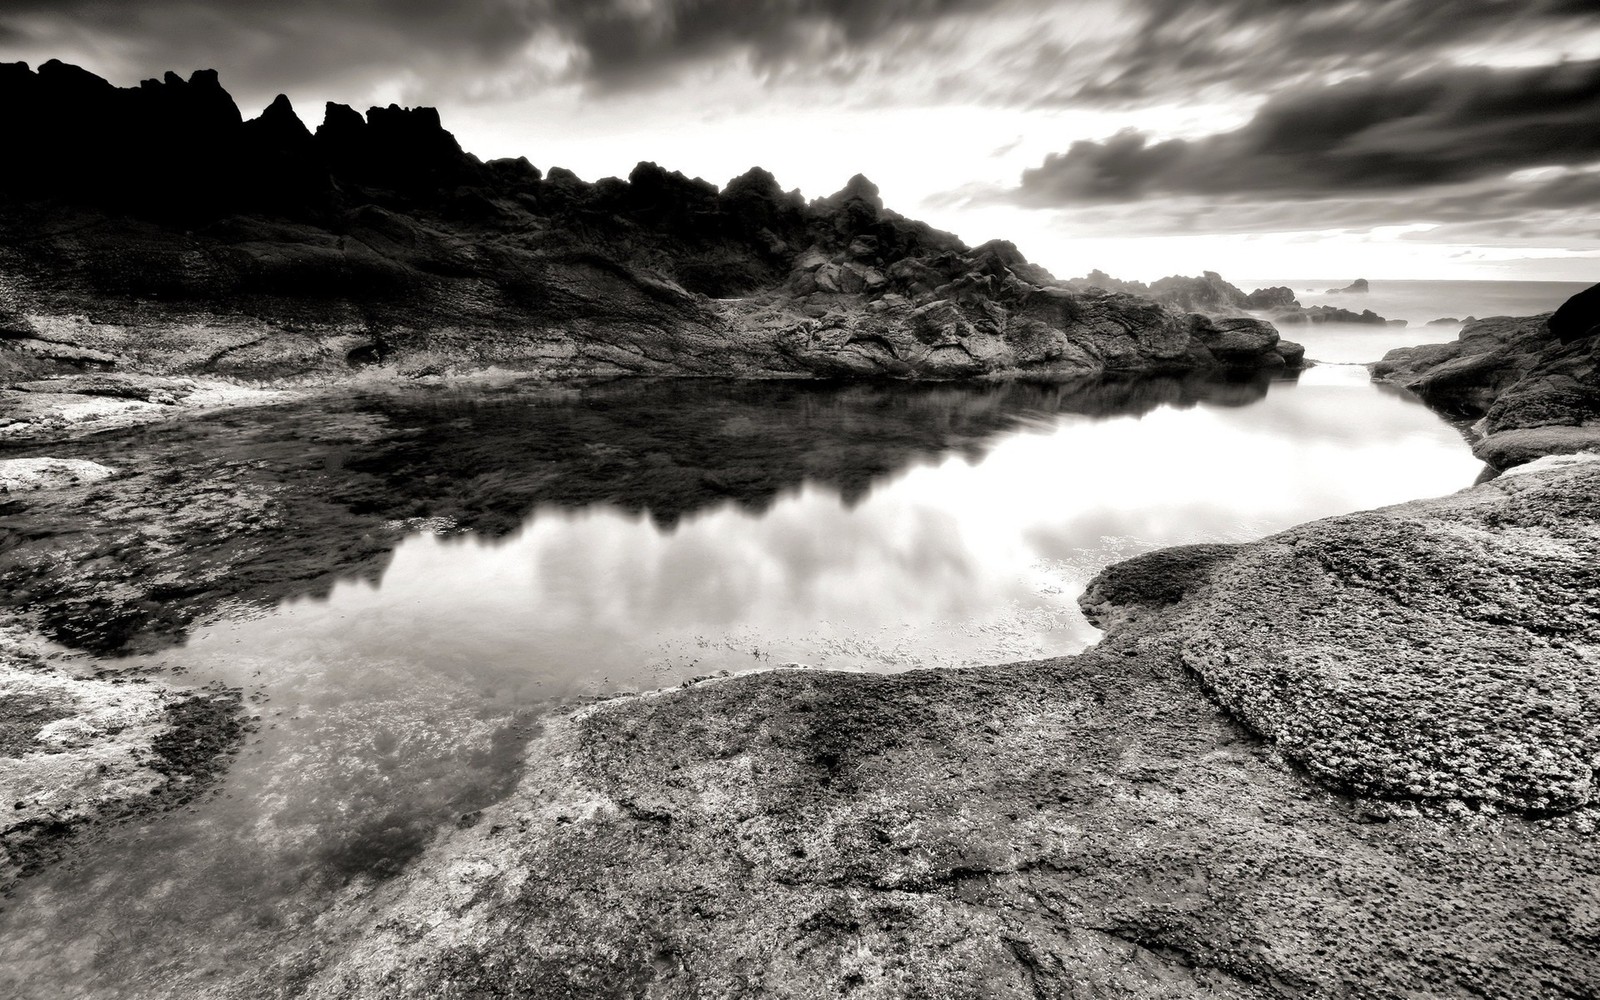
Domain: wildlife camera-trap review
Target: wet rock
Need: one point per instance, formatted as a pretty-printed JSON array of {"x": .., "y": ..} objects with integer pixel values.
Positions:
[
  {"x": 1356, "y": 287},
  {"x": 1527, "y": 391}
]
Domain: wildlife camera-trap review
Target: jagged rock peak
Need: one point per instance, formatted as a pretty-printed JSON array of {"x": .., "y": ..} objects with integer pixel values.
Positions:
[
  {"x": 756, "y": 180},
  {"x": 280, "y": 119},
  {"x": 857, "y": 188},
  {"x": 340, "y": 120},
  {"x": 76, "y": 77},
  {"x": 648, "y": 177}
]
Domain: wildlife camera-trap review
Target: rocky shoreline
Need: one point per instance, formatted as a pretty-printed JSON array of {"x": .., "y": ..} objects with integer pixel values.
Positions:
[
  {"x": 1523, "y": 387},
  {"x": 1251, "y": 787},
  {"x": 1272, "y": 777}
]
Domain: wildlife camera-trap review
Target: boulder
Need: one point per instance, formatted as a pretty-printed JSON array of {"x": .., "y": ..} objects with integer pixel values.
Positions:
[
  {"x": 1277, "y": 297},
  {"x": 1356, "y": 287}
]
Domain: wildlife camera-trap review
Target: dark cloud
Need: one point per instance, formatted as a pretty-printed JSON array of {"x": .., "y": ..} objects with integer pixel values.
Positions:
[
  {"x": 613, "y": 42},
  {"x": 627, "y": 41},
  {"x": 1383, "y": 133},
  {"x": 1176, "y": 50},
  {"x": 1252, "y": 45},
  {"x": 1140, "y": 50}
]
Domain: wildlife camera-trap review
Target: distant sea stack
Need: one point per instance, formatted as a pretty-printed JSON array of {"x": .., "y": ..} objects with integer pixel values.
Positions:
[
  {"x": 155, "y": 229},
  {"x": 1210, "y": 293},
  {"x": 1356, "y": 287}
]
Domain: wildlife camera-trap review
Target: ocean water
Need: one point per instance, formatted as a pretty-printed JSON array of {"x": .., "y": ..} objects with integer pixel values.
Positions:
[
  {"x": 634, "y": 535},
  {"x": 1419, "y": 303}
]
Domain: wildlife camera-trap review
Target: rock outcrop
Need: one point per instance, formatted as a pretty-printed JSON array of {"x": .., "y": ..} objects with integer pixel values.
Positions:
[
  {"x": 1578, "y": 317},
  {"x": 1086, "y": 826},
  {"x": 1356, "y": 287},
  {"x": 260, "y": 248},
  {"x": 1525, "y": 390}
]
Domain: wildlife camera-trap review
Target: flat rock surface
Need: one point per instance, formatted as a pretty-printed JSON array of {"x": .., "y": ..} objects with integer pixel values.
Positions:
[{"x": 1092, "y": 826}]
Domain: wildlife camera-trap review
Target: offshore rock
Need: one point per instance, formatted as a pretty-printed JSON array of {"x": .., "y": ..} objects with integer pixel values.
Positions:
[
  {"x": 1356, "y": 287},
  {"x": 1528, "y": 391}
]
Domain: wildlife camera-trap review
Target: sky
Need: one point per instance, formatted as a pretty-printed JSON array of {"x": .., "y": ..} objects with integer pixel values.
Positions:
[{"x": 1263, "y": 138}]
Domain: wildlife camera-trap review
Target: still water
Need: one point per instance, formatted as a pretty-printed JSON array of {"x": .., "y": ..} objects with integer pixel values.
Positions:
[{"x": 844, "y": 527}]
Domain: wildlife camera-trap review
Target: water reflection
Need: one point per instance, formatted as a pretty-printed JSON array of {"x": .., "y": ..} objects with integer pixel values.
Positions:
[{"x": 631, "y": 536}]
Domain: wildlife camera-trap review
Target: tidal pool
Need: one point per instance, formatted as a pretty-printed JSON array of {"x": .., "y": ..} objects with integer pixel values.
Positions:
[{"x": 579, "y": 542}]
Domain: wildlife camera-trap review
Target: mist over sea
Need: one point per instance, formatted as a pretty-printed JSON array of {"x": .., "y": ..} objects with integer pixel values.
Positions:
[{"x": 1419, "y": 303}]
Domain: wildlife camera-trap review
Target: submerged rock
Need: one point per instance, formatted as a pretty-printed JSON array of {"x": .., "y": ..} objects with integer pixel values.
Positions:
[{"x": 78, "y": 750}]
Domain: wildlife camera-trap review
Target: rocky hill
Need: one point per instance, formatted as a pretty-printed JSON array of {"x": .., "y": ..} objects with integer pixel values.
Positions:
[{"x": 156, "y": 230}]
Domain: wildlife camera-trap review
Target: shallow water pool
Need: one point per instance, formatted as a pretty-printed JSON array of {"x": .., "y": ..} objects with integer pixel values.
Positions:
[{"x": 577, "y": 542}]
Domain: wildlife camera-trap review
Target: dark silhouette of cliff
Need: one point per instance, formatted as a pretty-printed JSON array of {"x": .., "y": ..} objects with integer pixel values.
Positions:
[{"x": 161, "y": 214}]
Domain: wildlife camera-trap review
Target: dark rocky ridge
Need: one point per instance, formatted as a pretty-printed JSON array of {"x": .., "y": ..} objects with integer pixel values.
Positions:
[
  {"x": 154, "y": 229},
  {"x": 1526, "y": 386}
]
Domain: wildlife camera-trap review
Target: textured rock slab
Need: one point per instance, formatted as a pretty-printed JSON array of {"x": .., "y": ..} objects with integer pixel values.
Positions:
[{"x": 1442, "y": 649}]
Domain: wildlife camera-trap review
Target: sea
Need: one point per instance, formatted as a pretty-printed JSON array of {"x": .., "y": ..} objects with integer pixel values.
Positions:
[{"x": 1420, "y": 303}]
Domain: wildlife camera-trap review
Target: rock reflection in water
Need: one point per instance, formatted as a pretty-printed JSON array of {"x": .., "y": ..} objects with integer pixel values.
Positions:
[{"x": 628, "y": 536}]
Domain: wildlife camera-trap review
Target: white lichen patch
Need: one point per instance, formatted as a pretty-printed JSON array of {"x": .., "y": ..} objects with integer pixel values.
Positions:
[
  {"x": 89, "y": 752},
  {"x": 1550, "y": 463},
  {"x": 24, "y": 475}
]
